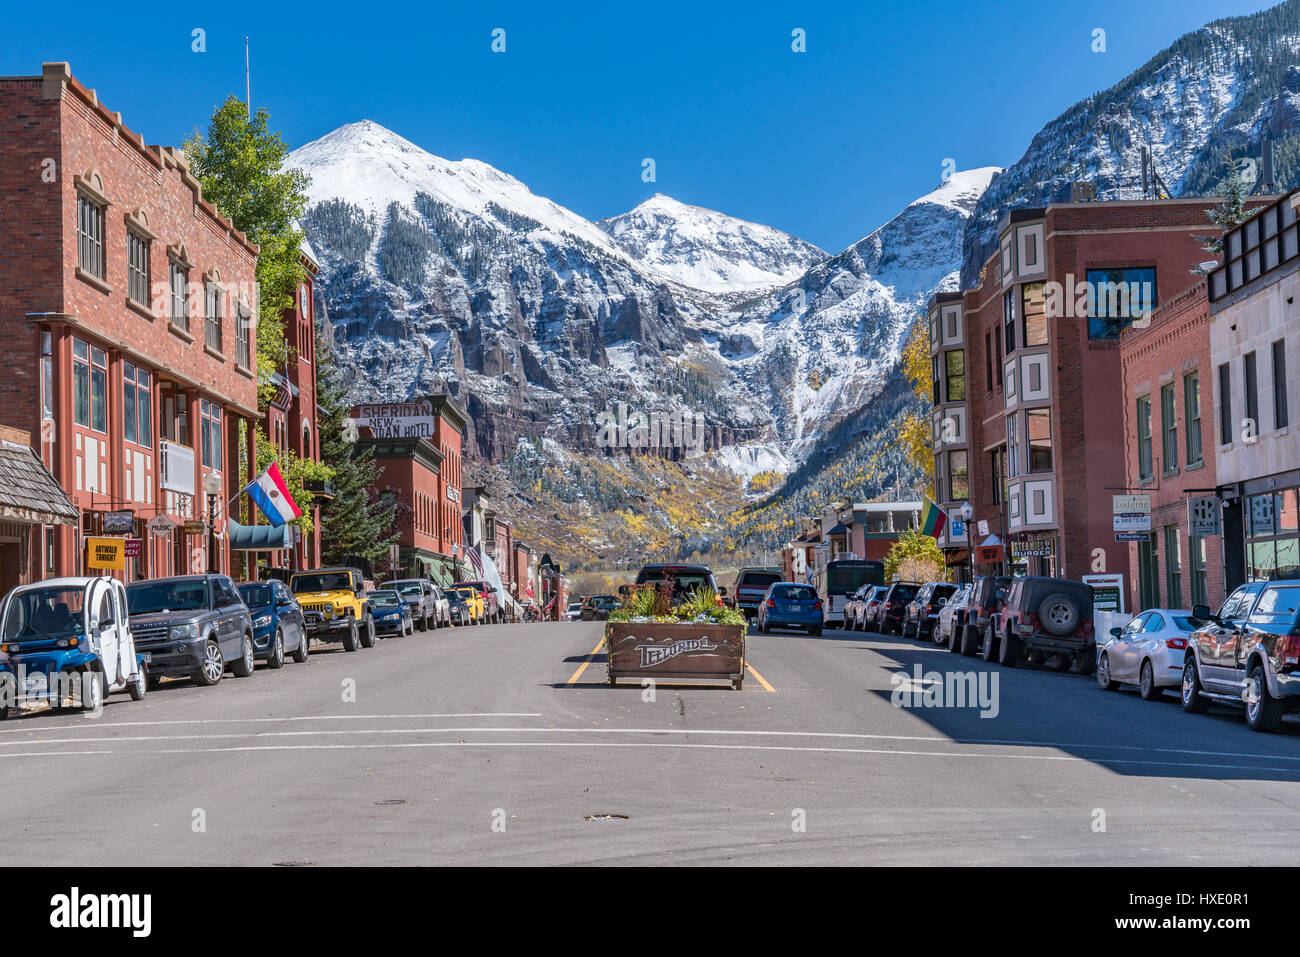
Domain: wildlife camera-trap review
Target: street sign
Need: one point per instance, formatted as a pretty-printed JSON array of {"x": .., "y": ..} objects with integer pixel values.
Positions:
[
  {"x": 1131, "y": 536},
  {"x": 118, "y": 523},
  {"x": 195, "y": 527},
  {"x": 1133, "y": 522},
  {"x": 958, "y": 528},
  {"x": 982, "y": 527},
  {"x": 1120, "y": 504},
  {"x": 161, "y": 524},
  {"x": 1204, "y": 516},
  {"x": 132, "y": 548},
  {"x": 1107, "y": 592}
]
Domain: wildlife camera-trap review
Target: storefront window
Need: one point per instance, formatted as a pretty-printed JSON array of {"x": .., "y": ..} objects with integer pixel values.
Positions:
[
  {"x": 1200, "y": 592},
  {"x": 1272, "y": 545}
]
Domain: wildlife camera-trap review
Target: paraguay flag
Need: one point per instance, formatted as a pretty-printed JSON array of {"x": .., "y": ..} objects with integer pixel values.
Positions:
[
  {"x": 933, "y": 519},
  {"x": 272, "y": 496}
]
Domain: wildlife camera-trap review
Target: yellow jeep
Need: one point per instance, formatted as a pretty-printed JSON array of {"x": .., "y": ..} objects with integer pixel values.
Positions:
[
  {"x": 474, "y": 603},
  {"x": 334, "y": 606}
]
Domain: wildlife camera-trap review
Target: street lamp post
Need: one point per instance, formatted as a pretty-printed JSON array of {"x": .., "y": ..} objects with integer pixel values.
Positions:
[
  {"x": 212, "y": 485},
  {"x": 967, "y": 513},
  {"x": 455, "y": 560}
]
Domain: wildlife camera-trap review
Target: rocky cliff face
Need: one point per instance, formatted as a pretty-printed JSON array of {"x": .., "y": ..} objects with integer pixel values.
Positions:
[{"x": 453, "y": 275}]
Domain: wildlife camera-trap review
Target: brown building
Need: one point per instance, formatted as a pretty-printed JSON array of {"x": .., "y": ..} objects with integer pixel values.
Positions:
[
  {"x": 30, "y": 503},
  {"x": 418, "y": 447},
  {"x": 1168, "y": 451},
  {"x": 1029, "y": 420},
  {"x": 128, "y": 302}
]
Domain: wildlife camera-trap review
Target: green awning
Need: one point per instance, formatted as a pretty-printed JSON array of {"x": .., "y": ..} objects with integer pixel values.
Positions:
[{"x": 259, "y": 538}]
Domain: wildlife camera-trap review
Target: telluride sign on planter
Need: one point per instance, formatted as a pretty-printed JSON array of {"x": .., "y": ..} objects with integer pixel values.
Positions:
[{"x": 675, "y": 650}]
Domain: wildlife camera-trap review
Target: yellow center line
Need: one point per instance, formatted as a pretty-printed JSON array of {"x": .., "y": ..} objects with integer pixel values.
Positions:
[
  {"x": 583, "y": 667},
  {"x": 761, "y": 679}
]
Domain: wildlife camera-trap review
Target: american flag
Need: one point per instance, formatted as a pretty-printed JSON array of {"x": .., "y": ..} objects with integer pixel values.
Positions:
[{"x": 473, "y": 556}]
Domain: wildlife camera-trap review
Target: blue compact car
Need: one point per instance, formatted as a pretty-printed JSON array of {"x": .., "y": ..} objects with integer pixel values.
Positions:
[
  {"x": 391, "y": 611},
  {"x": 790, "y": 605},
  {"x": 278, "y": 626}
]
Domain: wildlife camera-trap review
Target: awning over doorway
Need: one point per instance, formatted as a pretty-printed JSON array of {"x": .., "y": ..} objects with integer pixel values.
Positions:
[
  {"x": 259, "y": 538},
  {"x": 28, "y": 492}
]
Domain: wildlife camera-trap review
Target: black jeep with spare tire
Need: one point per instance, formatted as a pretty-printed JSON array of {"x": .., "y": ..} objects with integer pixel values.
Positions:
[{"x": 1047, "y": 620}]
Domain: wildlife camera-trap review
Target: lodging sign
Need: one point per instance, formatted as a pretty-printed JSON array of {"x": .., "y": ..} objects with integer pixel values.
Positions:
[
  {"x": 1123, "y": 504},
  {"x": 1133, "y": 522}
]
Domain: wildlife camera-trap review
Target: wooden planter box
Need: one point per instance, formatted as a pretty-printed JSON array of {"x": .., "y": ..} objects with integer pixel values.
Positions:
[{"x": 675, "y": 650}]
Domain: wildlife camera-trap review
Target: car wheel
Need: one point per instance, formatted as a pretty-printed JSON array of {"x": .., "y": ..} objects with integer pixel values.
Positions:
[
  {"x": 92, "y": 691},
  {"x": 139, "y": 684},
  {"x": 970, "y": 641},
  {"x": 420, "y": 624},
  {"x": 300, "y": 653},
  {"x": 1147, "y": 686},
  {"x": 1193, "y": 700},
  {"x": 1263, "y": 711},
  {"x": 350, "y": 642},
  {"x": 213, "y": 667},
  {"x": 816, "y": 631},
  {"x": 368, "y": 636},
  {"x": 1104, "y": 680},
  {"x": 954, "y": 638},
  {"x": 990, "y": 644},
  {"x": 242, "y": 667},
  {"x": 276, "y": 661},
  {"x": 427, "y": 624},
  {"x": 1009, "y": 650}
]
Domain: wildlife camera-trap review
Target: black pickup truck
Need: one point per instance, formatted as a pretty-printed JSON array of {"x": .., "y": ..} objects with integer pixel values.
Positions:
[{"x": 191, "y": 626}]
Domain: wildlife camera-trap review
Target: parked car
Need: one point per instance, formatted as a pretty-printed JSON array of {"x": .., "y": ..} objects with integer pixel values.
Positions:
[
  {"x": 191, "y": 626},
  {"x": 790, "y": 605},
  {"x": 1248, "y": 653},
  {"x": 574, "y": 611},
  {"x": 67, "y": 642},
  {"x": 944, "y": 630},
  {"x": 869, "y": 609},
  {"x": 980, "y": 613},
  {"x": 420, "y": 594},
  {"x": 491, "y": 601},
  {"x": 750, "y": 587},
  {"x": 921, "y": 613},
  {"x": 854, "y": 606},
  {"x": 889, "y": 613},
  {"x": 334, "y": 605},
  {"x": 1148, "y": 652},
  {"x": 467, "y": 605},
  {"x": 598, "y": 607},
  {"x": 680, "y": 580},
  {"x": 392, "y": 612},
  {"x": 278, "y": 625},
  {"x": 1044, "y": 619}
]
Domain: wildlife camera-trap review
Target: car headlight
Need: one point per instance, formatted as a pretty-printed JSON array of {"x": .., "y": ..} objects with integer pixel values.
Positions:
[
  {"x": 185, "y": 631},
  {"x": 261, "y": 621}
]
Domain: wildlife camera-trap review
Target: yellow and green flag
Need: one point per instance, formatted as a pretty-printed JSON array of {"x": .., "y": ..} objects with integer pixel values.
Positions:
[{"x": 933, "y": 518}]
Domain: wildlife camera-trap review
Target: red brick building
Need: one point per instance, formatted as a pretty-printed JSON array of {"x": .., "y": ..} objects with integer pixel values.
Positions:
[
  {"x": 1168, "y": 451},
  {"x": 418, "y": 448},
  {"x": 1029, "y": 424},
  {"x": 290, "y": 422},
  {"x": 128, "y": 303}
]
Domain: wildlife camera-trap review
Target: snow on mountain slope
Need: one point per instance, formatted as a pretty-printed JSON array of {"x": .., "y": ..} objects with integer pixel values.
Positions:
[
  {"x": 709, "y": 250},
  {"x": 820, "y": 348},
  {"x": 372, "y": 166}
]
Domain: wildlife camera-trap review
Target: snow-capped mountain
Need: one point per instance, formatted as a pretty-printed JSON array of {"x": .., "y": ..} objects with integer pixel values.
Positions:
[
  {"x": 1209, "y": 98},
  {"x": 454, "y": 275},
  {"x": 709, "y": 250}
]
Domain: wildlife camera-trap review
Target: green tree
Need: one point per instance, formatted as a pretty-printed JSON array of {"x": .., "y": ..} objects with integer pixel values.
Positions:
[
  {"x": 357, "y": 521},
  {"x": 917, "y": 555},
  {"x": 1229, "y": 213},
  {"x": 240, "y": 163}
]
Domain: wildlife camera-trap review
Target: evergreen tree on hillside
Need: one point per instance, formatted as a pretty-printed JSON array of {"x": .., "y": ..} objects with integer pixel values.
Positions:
[
  {"x": 1229, "y": 213},
  {"x": 357, "y": 521}
]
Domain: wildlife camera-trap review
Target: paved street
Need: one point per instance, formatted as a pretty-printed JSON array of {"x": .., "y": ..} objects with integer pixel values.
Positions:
[{"x": 450, "y": 726}]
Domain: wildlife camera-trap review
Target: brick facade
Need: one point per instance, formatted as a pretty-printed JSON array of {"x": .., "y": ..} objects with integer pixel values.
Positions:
[
  {"x": 74, "y": 336},
  {"x": 1172, "y": 353}
]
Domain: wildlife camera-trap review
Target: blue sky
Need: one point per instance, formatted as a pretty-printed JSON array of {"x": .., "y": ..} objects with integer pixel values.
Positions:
[{"x": 826, "y": 144}]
